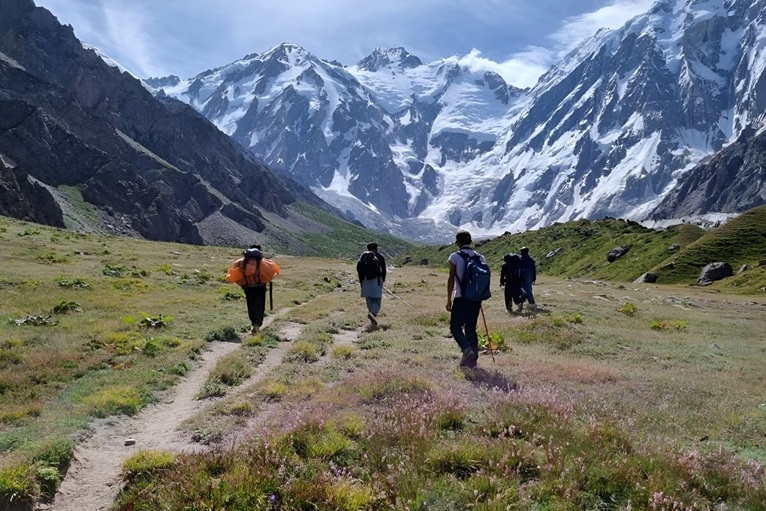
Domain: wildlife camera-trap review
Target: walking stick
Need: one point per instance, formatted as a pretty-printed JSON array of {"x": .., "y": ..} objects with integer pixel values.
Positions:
[
  {"x": 271, "y": 297},
  {"x": 392, "y": 294},
  {"x": 489, "y": 338}
]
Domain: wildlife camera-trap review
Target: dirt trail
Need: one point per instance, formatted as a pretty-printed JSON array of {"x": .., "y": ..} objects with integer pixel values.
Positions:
[{"x": 93, "y": 480}]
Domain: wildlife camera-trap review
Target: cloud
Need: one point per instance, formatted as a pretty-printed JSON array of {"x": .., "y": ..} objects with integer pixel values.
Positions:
[
  {"x": 524, "y": 68},
  {"x": 127, "y": 28},
  {"x": 578, "y": 28},
  {"x": 521, "y": 71}
]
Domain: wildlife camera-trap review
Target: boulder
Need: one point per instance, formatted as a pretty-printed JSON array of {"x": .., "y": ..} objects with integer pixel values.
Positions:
[
  {"x": 552, "y": 253},
  {"x": 616, "y": 253},
  {"x": 673, "y": 247},
  {"x": 744, "y": 268},
  {"x": 713, "y": 272},
  {"x": 646, "y": 278},
  {"x": 424, "y": 262}
]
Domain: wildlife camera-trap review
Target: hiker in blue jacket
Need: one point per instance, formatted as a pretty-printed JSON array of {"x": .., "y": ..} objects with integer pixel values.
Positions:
[
  {"x": 371, "y": 269},
  {"x": 529, "y": 278}
]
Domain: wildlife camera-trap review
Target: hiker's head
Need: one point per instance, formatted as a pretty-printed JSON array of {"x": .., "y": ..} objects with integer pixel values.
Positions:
[
  {"x": 256, "y": 245},
  {"x": 524, "y": 250},
  {"x": 463, "y": 238},
  {"x": 372, "y": 247}
]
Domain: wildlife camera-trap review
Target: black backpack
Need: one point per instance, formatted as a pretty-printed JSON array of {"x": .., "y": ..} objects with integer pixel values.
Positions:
[
  {"x": 475, "y": 284},
  {"x": 514, "y": 268},
  {"x": 369, "y": 266}
]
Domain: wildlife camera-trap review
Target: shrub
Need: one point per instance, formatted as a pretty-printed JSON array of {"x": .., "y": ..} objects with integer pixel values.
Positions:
[
  {"x": 493, "y": 342},
  {"x": 663, "y": 324},
  {"x": 224, "y": 334},
  {"x": 56, "y": 453},
  {"x": 63, "y": 307},
  {"x": 628, "y": 308},
  {"x": 49, "y": 479},
  {"x": 72, "y": 283},
  {"x": 158, "y": 321},
  {"x": 34, "y": 320}
]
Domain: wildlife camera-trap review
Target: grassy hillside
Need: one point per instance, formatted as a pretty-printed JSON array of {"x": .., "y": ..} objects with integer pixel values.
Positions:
[
  {"x": 741, "y": 241},
  {"x": 579, "y": 249},
  {"x": 594, "y": 403}
]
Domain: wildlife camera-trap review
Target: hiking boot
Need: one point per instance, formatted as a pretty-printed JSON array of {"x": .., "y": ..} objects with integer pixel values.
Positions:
[
  {"x": 469, "y": 359},
  {"x": 254, "y": 329},
  {"x": 372, "y": 318},
  {"x": 519, "y": 307},
  {"x": 532, "y": 306}
]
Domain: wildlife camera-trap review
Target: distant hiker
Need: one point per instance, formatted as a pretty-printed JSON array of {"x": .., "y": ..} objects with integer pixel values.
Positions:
[
  {"x": 530, "y": 276},
  {"x": 467, "y": 286},
  {"x": 253, "y": 272},
  {"x": 371, "y": 268},
  {"x": 512, "y": 278}
]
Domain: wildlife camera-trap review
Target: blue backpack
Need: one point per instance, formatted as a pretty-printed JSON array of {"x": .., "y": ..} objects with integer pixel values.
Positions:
[{"x": 474, "y": 286}]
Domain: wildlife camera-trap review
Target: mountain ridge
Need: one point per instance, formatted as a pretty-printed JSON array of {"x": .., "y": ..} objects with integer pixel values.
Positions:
[{"x": 608, "y": 131}]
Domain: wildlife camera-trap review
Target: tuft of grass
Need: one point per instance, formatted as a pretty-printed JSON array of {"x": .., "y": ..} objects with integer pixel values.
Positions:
[
  {"x": 148, "y": 462},
  {"x": 18, "y": 486},
  {"x": 230, "y": 371},
  {"x": 113, "y": 400},
  {"x": 383, "y": 386},
  {"x": 273, "y": 390},
  {"x": 344, "y": 352},
  {"x": 302, "y": 351}
]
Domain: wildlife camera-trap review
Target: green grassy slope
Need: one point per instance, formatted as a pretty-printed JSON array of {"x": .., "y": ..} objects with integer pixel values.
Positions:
[
  {"x": 579, "y": 249},
  {"x": 741, "y": 241}
]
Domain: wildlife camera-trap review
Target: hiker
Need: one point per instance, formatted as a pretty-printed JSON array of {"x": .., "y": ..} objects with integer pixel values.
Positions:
[
  {"x": 511, "y": 279},
  {"x": 371, "y": 268},
  {"x": 253, "y": 271},
  {"x": 464, "y": 312},
  {"x": 530, "y": 276}
]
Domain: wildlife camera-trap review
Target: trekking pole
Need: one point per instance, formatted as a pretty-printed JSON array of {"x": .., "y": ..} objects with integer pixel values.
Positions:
[
  {"x": 392, "y": 294},
  {"x": 271, "y": 297},
  {"x": 489, "y": 338}
]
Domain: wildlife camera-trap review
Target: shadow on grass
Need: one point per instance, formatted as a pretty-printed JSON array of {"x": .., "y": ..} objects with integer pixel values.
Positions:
[{"x": 490, "y": 379}]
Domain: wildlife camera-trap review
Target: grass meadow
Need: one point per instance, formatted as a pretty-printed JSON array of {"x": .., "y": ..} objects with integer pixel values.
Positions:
[{"x": 618, "y": 396}]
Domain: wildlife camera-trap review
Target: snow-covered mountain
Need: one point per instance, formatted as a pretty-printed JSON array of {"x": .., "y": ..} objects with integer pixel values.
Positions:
[{"x": 421, "y": 149}]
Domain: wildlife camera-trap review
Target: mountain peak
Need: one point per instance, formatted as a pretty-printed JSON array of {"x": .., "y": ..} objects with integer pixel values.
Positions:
[{"x": 387, "y": 57}]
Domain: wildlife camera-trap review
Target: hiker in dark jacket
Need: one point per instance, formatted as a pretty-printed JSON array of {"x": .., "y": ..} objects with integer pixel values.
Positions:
[
  {"x": 530, "y": 276},
  {"x": 511, "y": 279},
  {"x": 464, "y": 314},
  {"x": 371, "y": 269}
]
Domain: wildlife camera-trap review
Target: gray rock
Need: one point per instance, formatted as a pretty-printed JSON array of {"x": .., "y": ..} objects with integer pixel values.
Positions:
[
  {"x": 616, "y": 253},
  {"x": 714, "y": 271},
  {"x": 648, "y": 278}
]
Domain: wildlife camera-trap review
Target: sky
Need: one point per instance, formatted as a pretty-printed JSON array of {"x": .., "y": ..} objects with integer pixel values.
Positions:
[{"x": 520, "y": 39}]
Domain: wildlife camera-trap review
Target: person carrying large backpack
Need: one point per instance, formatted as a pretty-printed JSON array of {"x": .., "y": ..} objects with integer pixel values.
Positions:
[
  {"x": 511, "y": 279},
  {"x": 467, "y": 285},
  {"x": 371, "y": 269},
  {"x": 253, "y": 273}
]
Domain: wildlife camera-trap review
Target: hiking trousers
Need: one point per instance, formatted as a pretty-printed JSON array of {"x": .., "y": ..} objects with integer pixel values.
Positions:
[
  {"x": 462, "y": 324},
  {"x": 373, "y": 305},
  {"x": 256, "y": 303},
  {"x": 527, "y": 286}
]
